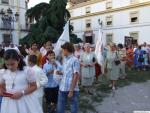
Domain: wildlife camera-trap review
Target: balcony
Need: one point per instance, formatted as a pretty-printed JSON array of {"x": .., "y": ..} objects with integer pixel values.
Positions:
[{"x": 6, "y": 26}]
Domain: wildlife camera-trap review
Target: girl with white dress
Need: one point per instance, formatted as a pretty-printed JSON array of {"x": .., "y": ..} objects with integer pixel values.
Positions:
[
  {"x": 17, "y": 83},
  {"x": 41, "y": 78}
]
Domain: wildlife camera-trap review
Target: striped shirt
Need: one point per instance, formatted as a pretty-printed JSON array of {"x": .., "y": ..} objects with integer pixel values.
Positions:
[{"x": 71, "y": 65}]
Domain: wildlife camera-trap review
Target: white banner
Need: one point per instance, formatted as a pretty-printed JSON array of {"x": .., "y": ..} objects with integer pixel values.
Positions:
[
  {"x": 62, "y": 39},
  {"x": 99, "y": 50}
]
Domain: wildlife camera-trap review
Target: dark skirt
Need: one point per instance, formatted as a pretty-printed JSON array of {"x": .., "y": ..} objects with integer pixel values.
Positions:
[{"x": 98, "y": 70}]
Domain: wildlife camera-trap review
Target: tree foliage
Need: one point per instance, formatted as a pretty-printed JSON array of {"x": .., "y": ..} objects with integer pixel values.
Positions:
[{"x": 50, "y": 19}]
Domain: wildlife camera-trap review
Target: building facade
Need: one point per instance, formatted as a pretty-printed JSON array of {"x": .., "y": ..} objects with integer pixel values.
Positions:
[
  {"x": 13, "y": 22},
  {"x": 123, "y": 21}
]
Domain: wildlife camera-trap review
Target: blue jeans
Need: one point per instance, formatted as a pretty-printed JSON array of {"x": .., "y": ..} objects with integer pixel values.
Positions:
[
  {"x": 63, "y": 99},
  {"x": 0, "y": 101}
]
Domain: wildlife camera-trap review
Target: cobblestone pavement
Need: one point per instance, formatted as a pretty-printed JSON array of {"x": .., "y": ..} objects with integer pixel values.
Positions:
[{"x": 135, "y": 97}]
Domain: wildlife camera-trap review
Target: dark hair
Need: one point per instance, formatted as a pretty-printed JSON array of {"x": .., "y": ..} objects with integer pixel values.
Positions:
[
  {"x": 32, "y": 58},
  {"x": 2, "y": 53},
  {"x": 50, "y": 52},
  {"x": 22, "y": 51},
  {"x": 27, "y": 45},
  {"x": 120, "y": 46},
  {"x": 12, "y": 54},
  {"x": 139, "y": 47},
  {"x": 69, "y": 47},
  {"x": 33, "y": 43},
  {"x": 37, "y": 44}
]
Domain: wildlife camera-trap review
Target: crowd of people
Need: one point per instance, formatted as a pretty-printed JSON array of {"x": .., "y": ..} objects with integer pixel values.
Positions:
[{"x": 31, "y": 75}]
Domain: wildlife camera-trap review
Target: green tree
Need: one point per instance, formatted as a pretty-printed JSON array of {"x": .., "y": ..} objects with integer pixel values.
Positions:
[{"x": 49, "y": 22}]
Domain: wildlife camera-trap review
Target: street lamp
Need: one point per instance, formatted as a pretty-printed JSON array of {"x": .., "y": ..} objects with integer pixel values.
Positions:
[{"x": 8, "y": 17}]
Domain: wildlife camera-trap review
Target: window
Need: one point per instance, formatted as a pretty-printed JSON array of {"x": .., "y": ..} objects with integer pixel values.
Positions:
[
  {"x": 88, "y": 23},
  {"x": 109, "y": 20},
  {"x": 109, "y": 38},
  {"x": 134, "y": 1},
  {"x": 6, "y": 24},
  {"x": 88, "y": 10},
  {"x": 134, "y": 17},
  {"x": 5, "y": 1},
  {"x": 135, "y": 36},
  {"x": 7, "y": 38},
  {"x": 108, "y": 4},
  {"x": 89, "y": 37}
]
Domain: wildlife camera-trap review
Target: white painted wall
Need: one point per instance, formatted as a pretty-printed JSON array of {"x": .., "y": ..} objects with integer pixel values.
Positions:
[
  {"x": 121, "y": 23},
  {"x": 98, "y": 7},
  {"x": 101, "y": 6},
  {"x": 120, "y": 3},
  {"x": 16, "y": 34}
]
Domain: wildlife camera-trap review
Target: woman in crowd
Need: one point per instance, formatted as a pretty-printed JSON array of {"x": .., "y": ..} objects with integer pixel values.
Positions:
[
  {"x": 145, "y": 63},
  {"x": 43, "y": 49},
  {"x": 78, "y": 51},
  {"x": 23, "y": 52},
  {"x": 122, "y": 56},
  {"x": 138, "y": 58},
  {"x": 26, "y": 47},
  {"x": 17, "y": 83},
  {"x": 113, "y": 65},
  {"x": 129, "y": 57},
  {"x": 44, "y": 58},
  {"x": 88, "y": 61},
  {"x": 145, "y": 56},
  {"x": 35, "y": 51},
  {"x": 97, "y": 66}
]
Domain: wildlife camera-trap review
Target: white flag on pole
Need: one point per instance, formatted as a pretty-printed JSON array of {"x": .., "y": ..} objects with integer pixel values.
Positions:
[
  {"x": 99, "y": 50},
  {"x": 62, "y": 39}
]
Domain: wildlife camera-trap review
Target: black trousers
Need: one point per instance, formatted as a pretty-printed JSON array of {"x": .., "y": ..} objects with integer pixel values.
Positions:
[{"x": 51, "y": 95}]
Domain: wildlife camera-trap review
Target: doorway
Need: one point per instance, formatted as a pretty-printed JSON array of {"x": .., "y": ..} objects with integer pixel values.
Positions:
[
  {"x": 135, "y": 36},
  {"x": 7, "y": 38},
  {"x": 89, "y": 39}
]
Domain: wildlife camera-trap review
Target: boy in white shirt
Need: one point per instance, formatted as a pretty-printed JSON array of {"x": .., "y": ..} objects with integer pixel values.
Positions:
[{"x": 41, "y": 78}]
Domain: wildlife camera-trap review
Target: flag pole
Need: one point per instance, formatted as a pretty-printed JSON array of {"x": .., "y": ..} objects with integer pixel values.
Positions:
[{"x": 99, "y": 47}]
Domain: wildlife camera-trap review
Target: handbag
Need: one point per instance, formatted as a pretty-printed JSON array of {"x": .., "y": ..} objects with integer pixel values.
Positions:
[
  {"x": 117, "y": 61},
  {"x": 140, "y": 59}
]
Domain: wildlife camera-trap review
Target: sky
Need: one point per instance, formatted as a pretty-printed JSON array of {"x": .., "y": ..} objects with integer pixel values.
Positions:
[{"x": 34, "y": 2}]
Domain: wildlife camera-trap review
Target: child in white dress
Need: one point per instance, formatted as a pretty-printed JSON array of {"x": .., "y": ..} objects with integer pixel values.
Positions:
[
  {"x": 17, "y": 83},
  {"x": 41, "y": 78}
]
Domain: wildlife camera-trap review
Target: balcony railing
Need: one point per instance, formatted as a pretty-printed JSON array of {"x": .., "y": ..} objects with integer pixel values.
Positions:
[
  {"x": 6, "y": 26},
  {"x": 11, "y": 27}
]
